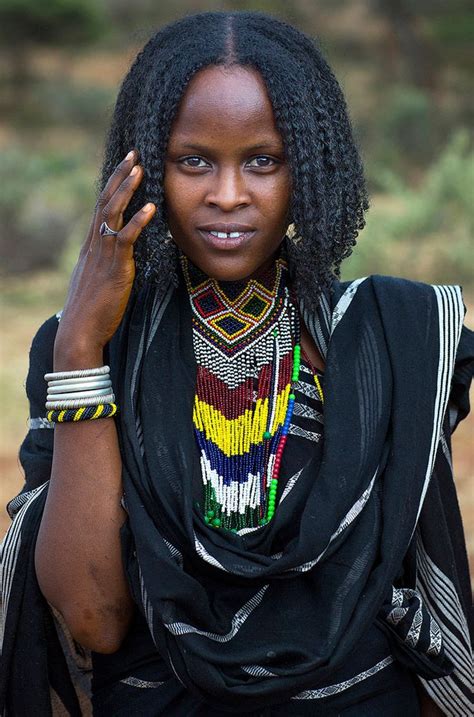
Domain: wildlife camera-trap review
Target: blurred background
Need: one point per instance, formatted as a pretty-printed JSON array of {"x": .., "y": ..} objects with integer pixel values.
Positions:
[{"x": 406, "y": 67}]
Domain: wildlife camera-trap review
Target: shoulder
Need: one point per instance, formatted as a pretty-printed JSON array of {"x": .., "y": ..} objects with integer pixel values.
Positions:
[
  {"x": 42, "y": 350},
  {"x": 389, "y": 290},
  {"x": 46, "y": 333},
  {"x": 391, "y": 283}
]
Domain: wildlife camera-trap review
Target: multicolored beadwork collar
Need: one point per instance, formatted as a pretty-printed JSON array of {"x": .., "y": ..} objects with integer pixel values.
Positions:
[
  {"x": 246, "y": 344},
  {"x": 232, "y": 315}
]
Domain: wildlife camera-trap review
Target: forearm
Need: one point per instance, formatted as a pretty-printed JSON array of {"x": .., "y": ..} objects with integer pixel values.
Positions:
[{"x": 78, "y": 553}]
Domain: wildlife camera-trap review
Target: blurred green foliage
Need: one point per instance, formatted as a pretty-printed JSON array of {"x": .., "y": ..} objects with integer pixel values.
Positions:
[
  {"x": 52, "y": 22},
  {"x": 46, "y": 200},
  {"x": 424, "y": 232},
  {"x": 61, "y": 103}
]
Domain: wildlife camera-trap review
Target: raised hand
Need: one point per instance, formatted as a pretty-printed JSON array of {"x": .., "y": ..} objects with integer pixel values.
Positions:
[{"x": 103, "y": 277}]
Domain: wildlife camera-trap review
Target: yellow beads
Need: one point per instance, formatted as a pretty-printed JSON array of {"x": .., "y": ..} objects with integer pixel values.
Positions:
[
  {"x": 318, "y": 386},
  {"x": 235, "y": 436}
]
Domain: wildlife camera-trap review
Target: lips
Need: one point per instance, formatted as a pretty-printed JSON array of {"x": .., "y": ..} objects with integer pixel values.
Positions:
[
  {"x": 217, "y": 239},
  {"x": 227, "y": 228}
]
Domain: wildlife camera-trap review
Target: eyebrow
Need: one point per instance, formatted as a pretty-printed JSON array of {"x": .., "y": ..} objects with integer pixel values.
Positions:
[{"x": 251, "y": 148}]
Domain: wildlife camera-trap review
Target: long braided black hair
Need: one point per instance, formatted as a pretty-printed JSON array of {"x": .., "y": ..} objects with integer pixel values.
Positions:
[{"x": 329, "y": 194}]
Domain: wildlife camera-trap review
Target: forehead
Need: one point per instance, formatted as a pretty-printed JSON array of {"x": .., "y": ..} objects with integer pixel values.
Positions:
[{"x": 225, "y": 104}]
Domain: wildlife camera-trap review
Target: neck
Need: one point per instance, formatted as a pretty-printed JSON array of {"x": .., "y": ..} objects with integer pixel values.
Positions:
[{"x": 266, "y": 275}]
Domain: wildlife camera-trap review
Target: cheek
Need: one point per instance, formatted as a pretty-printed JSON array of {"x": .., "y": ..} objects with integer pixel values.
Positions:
[
  {"x": 181, "y": 195},
  {"x": 275, "y": 196}
]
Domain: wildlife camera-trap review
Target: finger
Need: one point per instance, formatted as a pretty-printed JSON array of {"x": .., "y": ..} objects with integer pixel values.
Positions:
[
  {"x": 113, "y": 211},
  {"x": 87, "y": 242},
  {"x": 112, "y": 214},
  {"x": 120, "y": 172},
  {"x": 127, "y": 237}
]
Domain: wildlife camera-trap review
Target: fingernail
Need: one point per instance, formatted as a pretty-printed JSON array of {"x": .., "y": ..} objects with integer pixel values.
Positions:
[
  {"x": 130, "y": 154},
  {"x": 134, "y": 171},
  {"x": 148, "y": 207}
]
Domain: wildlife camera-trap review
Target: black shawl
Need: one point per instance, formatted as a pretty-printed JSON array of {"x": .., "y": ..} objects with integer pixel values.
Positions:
[{"x": 269, "y": 615}]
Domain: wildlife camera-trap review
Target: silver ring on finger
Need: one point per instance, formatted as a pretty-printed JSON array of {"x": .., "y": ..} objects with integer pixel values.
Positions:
[{"x": 105, "y": 230}]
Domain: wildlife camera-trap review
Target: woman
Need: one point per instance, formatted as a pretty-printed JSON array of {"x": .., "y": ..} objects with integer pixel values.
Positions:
[{"x": 267, "y": 524}]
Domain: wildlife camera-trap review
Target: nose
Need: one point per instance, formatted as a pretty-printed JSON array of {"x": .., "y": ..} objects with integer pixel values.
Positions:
[{"x": 228, "y": 189}]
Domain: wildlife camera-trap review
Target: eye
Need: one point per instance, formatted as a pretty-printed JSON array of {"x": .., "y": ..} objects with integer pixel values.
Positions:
[
  {"x": 262, "y": 161},
  {"x": 194, "y": 162}
]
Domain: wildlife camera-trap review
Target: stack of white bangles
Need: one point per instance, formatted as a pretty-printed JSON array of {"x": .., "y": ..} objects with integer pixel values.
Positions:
[{"x": 75, "y": 389}]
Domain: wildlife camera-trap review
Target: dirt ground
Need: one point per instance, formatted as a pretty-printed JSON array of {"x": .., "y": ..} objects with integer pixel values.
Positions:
[{"x": 21, "y": 319}]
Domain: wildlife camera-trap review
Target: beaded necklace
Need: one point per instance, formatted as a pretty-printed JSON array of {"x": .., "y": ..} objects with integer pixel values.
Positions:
[{"x": 246, "y": 339}]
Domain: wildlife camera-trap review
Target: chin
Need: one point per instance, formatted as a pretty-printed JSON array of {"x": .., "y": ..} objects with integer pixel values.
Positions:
[
  {"x": 232, "y": 269},
  {"x": 236, "y": 266}
]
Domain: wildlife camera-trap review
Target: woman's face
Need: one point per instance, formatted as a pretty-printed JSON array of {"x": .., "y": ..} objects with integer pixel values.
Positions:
[{"x": 226, "y": 173}]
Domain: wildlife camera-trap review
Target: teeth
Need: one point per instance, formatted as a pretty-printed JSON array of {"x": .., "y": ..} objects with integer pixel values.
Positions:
[{"x": 224, "y": 235}]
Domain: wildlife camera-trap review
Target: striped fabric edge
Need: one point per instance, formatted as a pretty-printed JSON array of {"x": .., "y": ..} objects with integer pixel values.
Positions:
[
  {"x": 205, "y": 555},
  {"x": 450, "y": 320},
  {"x": 341, "y": 686},
  {"x": 19, "y": 501},
  {"x": 183, "y": 628},
  {"x": 318, "y": 323},
  {"x": 303, "y": 433},
  {"x": 290, "y": 484},
  {"x": 9, "y": 550},
  {"x": 146, "y": 602},
  {"x": 258, "y": 671},
  {"x": 445, "y": 449},
  {"x": 453, "y": 693},
  {"x": 39, "y": 422},
  {"x": 344, "y": 302},
  {"x": 158, "y": 309},
  {"x": 307, "y": 389},
  {"x": 142, "y": 684},
  {"x": 349, "y": 517},
  {"x": 303, "y": 411}
]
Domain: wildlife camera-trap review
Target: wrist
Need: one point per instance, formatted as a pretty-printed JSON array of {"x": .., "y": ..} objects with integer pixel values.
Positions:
[{"x": 73, "y": 356}]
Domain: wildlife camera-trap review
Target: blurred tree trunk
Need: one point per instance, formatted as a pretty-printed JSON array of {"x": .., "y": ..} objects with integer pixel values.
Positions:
[
  {"x": 409, "y": 50},
  {"x": 18, "y": 77}
]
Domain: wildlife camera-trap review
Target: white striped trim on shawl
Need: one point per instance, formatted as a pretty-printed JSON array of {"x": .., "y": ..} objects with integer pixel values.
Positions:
[
  {"x": 402, "y": 600},
  {"x": 318, "y": 325},
  {"x": 350, "y": 516},
  {"x": 158, "y": 309},
  {"x": 300, "y": 409},
  {"x": 307, "y": 389},
  {"x": 183, "y": 628},
  {"x": 321, "y": 323},
  {"x": 177, "y": 554},
  {"x": 143, "y": 684},
  {"x": 341, "y": 686},
  {"x": 290, "y": 483},
  {"x": 446, "y": 452},
  {"x": 9, "y": 550},
  {"x": 19, "y": 501},
  {"x": 146, "y": 602},
  {"x": 344, "y": 302},
  {"x": 450, "y": 320},
  {"x": 451, "y": 693},
  {"x": 258, "y": 671},
  {"x": 39, "y": 422},
  {"x": 303, "y": 433},
  {"x": 202, "y": 552}
]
